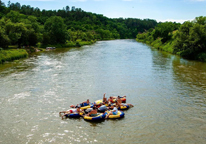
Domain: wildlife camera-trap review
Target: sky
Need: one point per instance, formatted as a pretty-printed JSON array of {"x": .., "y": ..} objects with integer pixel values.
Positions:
[{"x": 160, "y": 10}]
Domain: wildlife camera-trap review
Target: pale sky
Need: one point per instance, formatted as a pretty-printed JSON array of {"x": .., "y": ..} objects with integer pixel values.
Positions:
[{"x": 160, "y": 10}]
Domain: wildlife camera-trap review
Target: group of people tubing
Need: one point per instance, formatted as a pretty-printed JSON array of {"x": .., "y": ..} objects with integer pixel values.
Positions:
[{"x": 113, "y": 103}]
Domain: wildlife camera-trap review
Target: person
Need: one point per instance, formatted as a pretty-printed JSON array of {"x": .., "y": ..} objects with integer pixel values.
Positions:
[
  {"x": 106, "y": 103},
  {"x": 118, "y": 105},
  {"x": 93, "y": 112},
  {"x": 130, "y": 105},
  {"x": 77, "y": 110},
  {"x": 113, "y": 112},
  {"x": 122, "y": 96},
  {"x": 119, "y": 101},
  {"x": 104, "y": 98},
  {"x": 88, "y": 110},
  {"x": 102, "y": 108},
  {"x": 115, "y": 97},
  {"x": 110, "y": 99},
  {"x": 85, "y": 103}
]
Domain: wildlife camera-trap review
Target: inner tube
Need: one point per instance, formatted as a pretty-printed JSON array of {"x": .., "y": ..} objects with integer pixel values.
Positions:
[
  {"x": 123, "y": 107},
  {"x": 123, "y": 100},
  {"x": 120, "y": 114},
  {"x": 100, "y": 116},
  {"x": 86, "y": 107},
  {"x": 98, "y": 102},
  {"x": 73, "y": 115}
]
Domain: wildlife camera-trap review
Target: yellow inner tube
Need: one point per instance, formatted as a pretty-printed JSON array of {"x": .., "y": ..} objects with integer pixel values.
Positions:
[
  {"x": 90, "y": 118},
  {"x": 98, "y": 101},
  {"x": 115, "y": 116},
  {"x": 85, "y": 107}
]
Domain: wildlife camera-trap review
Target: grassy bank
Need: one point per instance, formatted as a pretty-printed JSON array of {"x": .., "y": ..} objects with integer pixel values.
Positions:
[
  {"x": 169, "y": 46},
  {"x": 12, "y": 54},
  {"x": 187, "y": 39},
  {"x": 68, "y": 44}
]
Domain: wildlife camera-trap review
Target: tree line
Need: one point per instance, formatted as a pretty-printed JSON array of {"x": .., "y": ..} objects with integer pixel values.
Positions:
[
  {"x": 187, "y": 40},
  {"x": 25, "y": 25}
]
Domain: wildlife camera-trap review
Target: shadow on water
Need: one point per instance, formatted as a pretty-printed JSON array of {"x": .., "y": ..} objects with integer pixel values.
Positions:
[
  {"x": 95, "y": 123},
  {"x": 190, "y": 73}
]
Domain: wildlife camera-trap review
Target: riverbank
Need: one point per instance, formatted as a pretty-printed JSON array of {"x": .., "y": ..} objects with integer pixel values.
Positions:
[
  {"x": 15, "y": 54},
  {"x": 186, "y": 40},
  {"x": 68, "y": 44},
  {"x": 12, "y": 54},
  {"x": 169, "y": 47}
]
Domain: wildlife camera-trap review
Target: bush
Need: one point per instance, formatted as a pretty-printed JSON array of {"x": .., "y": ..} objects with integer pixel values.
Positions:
[
  {"x": 202, "y": 57},
  {"x": 13, "y": 54}
]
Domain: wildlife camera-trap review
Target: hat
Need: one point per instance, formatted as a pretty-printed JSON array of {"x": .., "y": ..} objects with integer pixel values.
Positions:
[{"x": 72, "y": 106}]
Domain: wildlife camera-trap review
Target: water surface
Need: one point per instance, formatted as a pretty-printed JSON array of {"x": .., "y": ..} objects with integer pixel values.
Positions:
[{"x": 168, "y": 92}]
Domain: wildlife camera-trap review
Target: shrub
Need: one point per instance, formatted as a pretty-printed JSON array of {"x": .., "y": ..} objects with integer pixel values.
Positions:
[{"x": 13, "y": 54}]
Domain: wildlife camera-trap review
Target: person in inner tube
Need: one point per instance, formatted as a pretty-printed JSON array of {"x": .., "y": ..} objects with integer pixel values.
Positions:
[
  {"x": 119, "y": 101},
  {"x": 113, "y": 112},
  {"x": 93, "y": 112},
  {"x": 70, "y": 111},
  {"x": 104, "y": 98},
  {"x": 85, "y": 103}
]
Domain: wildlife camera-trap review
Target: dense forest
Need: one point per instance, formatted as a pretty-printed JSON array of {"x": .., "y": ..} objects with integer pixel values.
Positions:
[
  {"x": 187, "y": 40},
  {"x": 23, "y": 25}
]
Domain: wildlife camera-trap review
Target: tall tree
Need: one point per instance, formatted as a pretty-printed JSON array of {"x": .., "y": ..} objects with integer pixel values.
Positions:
[{"x": 56, "y": 29}]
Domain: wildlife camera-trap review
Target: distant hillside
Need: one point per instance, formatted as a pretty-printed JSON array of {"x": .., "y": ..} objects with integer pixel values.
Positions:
[{"x": 26, "y": 25}]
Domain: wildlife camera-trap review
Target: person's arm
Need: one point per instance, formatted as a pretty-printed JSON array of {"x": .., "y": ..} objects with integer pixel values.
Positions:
[
  {"x": 104, "y": 95},
  {"x": 114, "y": 110}
]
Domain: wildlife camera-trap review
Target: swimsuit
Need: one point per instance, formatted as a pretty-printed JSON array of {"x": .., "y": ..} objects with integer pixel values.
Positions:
[{"x": 93, "y": 115}]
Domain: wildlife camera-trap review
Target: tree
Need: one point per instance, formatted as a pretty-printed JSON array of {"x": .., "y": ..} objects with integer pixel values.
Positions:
[
  {"x": 4, "y": 39},
  {"x": 56, "y": 29},
  {"x": 9, "y": 3},
  {"x": 164, "y": 31},
  {"x": 67, "y": 9},
  {"x": 191, "y": 37},
  {"x": 73, "y": 8}
]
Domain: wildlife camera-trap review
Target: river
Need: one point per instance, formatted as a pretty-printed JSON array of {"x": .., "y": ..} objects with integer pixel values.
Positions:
[{"x": 168, "y": 94}]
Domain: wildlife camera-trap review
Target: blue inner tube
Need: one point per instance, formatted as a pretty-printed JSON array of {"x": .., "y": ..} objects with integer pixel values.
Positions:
[
  {"x": 100, "y": 116},
  {"x": 119, "y": 115},
  {"x": 123, "y": 107},
  {"x": 73, "y": 115}
]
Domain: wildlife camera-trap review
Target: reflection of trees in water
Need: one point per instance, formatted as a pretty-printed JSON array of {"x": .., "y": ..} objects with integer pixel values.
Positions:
[
  {"x": 190, "y": 80},
  {"x": 162, "y": 60},
  {"x": 191, "y": 72}
]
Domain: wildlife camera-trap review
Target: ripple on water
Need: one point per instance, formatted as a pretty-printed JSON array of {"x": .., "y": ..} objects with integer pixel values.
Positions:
[{"x": 168, "y": 94}]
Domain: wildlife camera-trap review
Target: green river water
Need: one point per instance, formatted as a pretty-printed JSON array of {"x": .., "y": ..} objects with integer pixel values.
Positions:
[{"x": 168, "y": 94}]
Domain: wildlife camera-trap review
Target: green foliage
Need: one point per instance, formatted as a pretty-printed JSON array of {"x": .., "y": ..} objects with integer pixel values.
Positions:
[
  {"x": 187, "y": 40},
  {"x": 191, "y": 37},
  {"x": 10, "y": 55},
  {"x": 164, "y": 31},
  {"x": 56, "y": 30},
  {"x": 201, "y": 57},
  {"x": 27, "y": 25},
  {"x": 4, "y": 39}
]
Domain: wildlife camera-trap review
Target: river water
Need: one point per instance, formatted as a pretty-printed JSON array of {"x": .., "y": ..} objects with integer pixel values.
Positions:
[{"x": 168, "y": 94}]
